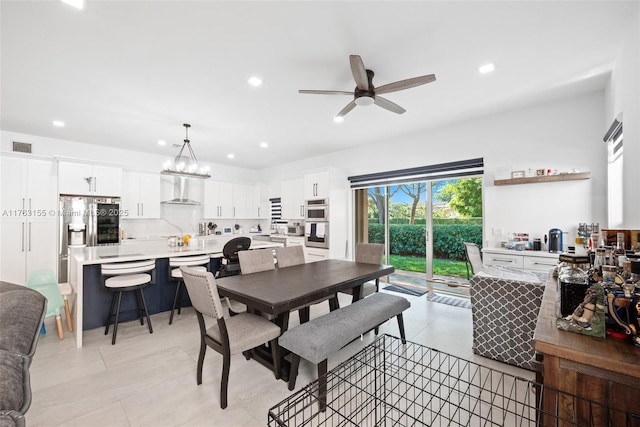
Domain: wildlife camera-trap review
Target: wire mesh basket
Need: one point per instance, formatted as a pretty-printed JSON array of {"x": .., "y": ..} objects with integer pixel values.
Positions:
[{"x": 393, "y": 384}]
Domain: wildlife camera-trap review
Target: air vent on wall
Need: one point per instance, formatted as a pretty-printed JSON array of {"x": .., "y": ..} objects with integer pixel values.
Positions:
[{"x": 21, "y": 147}]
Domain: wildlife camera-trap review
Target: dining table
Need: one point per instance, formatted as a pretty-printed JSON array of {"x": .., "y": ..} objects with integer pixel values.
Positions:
[{"x": 277, "y": 292}]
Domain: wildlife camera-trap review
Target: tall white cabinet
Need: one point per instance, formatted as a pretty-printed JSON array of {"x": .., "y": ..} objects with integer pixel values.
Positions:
[{"x": 28, "y": 216}]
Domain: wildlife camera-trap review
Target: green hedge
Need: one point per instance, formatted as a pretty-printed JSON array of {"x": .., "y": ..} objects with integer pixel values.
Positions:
[{"x": 410, "y": 239}]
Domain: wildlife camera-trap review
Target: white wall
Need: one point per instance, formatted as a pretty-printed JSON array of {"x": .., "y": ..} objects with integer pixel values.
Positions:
[
  {"x": 563, "y": 135},
  {"x": 623, "y": 96}
]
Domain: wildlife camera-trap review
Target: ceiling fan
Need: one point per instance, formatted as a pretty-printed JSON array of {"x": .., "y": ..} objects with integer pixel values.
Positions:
[{"x": 366, "y": 94}]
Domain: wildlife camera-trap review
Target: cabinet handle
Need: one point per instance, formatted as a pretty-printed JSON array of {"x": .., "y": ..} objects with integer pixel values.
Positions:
[
  {"x": 502, "y": 260},
  {"x": 95, "y": 183},
  {"x": 22, "y": 237},
  {"x": 141, "y": 209},
  {"x": 29, "y": 203},
  {"x": 234, "y": 211},
  {"x": 29, "y": 237},
  {"x": 23, "y": 203}
]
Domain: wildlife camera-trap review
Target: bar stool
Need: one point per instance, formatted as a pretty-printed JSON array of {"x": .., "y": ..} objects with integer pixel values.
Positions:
[
  {"x": 124, "y": 277},
  {"x": 196, "y": 262}
]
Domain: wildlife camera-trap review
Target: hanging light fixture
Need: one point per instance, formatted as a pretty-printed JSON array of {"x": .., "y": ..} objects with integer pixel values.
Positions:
[{"x": 183, "y": 165}]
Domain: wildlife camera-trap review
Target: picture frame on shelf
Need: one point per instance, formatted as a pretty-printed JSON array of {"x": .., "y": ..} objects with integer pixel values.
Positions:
[
  {"x": 540, "y": 172},
  {"x": 517, "y": 174}
]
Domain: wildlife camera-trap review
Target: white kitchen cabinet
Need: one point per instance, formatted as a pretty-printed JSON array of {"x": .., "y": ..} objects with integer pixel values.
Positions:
[
  {"x": 27, "y": 245},
  {"x": 292, "y": 199},
  {"x": 28, "y": 217},
  {"x": 315, "y": 254},
  {"x": 88, "y": 179},
  {"x": 259, "y": 205},
  {"x": 520, "y": 260},
  {"x": 140, "y": 195},
  {"x": 317, "y": 185},
  {"x": 33, "y": 186},
  {"x": 240, "y": 197},
  {"x": 218, "y": 199}
]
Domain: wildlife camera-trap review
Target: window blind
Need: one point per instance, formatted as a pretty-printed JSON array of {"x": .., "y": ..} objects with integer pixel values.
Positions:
[
  {"x": 276, "y": 211},
  {"x": 439, "y": 171}
]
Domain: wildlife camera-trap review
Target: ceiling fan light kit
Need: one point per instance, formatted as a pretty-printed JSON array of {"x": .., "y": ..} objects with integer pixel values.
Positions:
[
  {"x": 366, "y": 93},
  {"x": 180, "y": 168}
]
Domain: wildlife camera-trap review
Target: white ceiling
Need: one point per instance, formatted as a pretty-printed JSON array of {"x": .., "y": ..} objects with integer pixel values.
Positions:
[{"x": 126, "y": 74}]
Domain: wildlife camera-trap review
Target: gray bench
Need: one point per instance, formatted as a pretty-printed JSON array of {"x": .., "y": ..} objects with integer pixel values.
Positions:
[{"x": 317, "y": 339}]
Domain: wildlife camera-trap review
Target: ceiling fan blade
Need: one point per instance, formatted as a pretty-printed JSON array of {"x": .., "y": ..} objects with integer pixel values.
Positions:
[
  {"x": 388, "y": 105},
  {"x": 350, "y": 106},
  {"x": 326, "y": 92},
  {"x": 405, "y": 84},
  {"x": 359, "y": 72}
]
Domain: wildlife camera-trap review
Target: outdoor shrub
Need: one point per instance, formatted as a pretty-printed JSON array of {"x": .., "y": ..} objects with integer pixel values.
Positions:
[{"x": 447, "y": 239}]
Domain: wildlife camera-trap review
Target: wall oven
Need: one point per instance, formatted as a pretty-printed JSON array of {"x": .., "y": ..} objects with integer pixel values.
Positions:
[
  {"x": 316, "y": 234},
  {"x": 317, "y": 210}
]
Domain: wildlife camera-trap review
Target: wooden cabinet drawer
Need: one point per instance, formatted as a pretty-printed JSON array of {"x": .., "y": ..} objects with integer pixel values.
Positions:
[{"x": 505, "y": 260}]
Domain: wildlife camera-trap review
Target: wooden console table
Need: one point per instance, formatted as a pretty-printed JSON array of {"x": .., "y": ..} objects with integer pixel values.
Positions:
[{"x": 604, "y": 371}]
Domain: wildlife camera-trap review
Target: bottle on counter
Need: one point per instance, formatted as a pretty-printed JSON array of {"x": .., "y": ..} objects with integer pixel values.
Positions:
[{"x": 573, "y": 282}]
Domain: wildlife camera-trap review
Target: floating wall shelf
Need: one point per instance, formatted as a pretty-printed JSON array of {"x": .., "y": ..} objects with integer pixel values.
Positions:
[{"x": 546, "y": 178}]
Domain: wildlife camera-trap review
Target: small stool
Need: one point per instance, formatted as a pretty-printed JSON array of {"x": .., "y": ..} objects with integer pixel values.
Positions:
[
  {"x": 197, "y": 262},
  {"x": 124, "y": 277},
  {"x": 65, "y": 290}
]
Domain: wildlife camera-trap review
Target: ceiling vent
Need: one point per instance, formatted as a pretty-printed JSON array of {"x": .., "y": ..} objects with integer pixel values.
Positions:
[{"x": 21, "y": 147}]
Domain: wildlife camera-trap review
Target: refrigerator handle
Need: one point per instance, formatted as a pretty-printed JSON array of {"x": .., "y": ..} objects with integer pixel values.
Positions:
[
  {"x": 23, "y": 237},
  {"x": 29, "y": 237}
]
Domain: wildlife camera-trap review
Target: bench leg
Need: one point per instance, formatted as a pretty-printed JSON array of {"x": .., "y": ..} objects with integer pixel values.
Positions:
[
  {"x": 293, "y": 371},
  {"x": 322, "y": 385},
  {"x": 401, "y": 327}
]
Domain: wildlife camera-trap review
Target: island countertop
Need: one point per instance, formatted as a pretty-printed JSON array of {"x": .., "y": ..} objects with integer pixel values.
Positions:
[{"x": 79, "y": 258}]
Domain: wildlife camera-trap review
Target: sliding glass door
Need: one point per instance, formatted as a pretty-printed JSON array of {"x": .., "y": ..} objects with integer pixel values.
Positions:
[{"x": 422, "y": 225}]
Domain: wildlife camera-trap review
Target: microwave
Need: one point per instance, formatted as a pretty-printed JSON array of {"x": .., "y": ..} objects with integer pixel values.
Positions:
[{"x": 317, "y": 210}]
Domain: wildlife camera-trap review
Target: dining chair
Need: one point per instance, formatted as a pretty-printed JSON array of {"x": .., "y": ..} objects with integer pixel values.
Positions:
[
  {"x": 230, "y": 334},
  {"x": 474, "y": 258},
  {"x": 256, "y": 261},
  {"x": 368, "y": 253},
  {"x": 46, "y": 282},
  {"x": 290, "y": 256}
]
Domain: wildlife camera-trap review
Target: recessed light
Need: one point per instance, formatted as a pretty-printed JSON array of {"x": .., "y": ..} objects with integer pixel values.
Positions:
[
  {"x": 338, "y": 119},
  {"x": 78, "y": 4},
  {"x": 263, "y": 145},
  {"x": 255, "y": 81},
  {"x": 230, "y": 156},
  {"x": 58, "y": 123},
  {"x": 162, "y": 142},
  {"x": 486, "y": 68}
]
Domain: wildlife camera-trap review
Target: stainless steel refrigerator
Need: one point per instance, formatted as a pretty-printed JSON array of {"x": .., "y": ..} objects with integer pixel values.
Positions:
[{"x": 86, "y": 221}]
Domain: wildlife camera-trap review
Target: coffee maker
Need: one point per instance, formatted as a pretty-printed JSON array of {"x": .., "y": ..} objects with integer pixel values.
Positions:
[{"x": 555, "y": 240}]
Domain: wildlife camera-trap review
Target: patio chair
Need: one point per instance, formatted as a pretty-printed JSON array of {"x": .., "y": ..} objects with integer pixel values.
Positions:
[{"x": 474, "y": 258}]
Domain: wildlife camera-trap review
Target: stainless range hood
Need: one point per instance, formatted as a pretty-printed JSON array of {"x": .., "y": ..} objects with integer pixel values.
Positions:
[{"x": 180, "y": 190}]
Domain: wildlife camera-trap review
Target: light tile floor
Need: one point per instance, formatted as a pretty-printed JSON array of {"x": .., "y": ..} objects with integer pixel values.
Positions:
[{"x": 149, "y": 379}]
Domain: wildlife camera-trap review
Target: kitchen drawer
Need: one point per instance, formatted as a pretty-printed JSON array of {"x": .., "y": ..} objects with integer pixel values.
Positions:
[
  {"x": 295, "y": 241},
  {"x": 534, "y": 263},
  {"x": 505, "y": 260},
  {"x": 316, "y": 254}
]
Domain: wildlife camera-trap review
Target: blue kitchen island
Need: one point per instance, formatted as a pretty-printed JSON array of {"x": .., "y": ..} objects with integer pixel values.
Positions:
[{"x": 92, "y": 299}]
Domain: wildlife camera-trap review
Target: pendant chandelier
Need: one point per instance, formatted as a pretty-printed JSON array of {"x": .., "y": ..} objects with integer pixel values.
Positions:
[{"x": 186, "y": 166}]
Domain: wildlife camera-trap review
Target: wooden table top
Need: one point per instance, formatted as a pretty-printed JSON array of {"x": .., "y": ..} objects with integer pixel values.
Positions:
[
  {"x": 280, "y": 290},
  {"x": 609, "y": 354}
]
